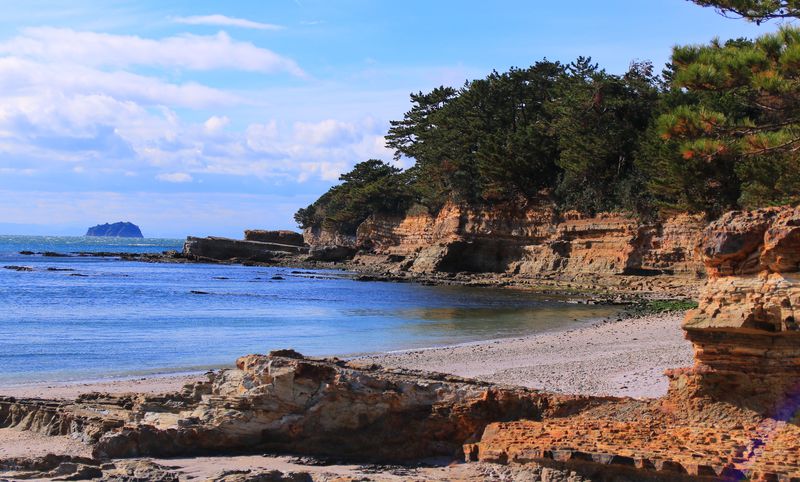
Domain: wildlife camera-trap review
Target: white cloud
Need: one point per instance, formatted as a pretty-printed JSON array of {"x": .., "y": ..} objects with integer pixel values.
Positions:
[
  {"x": 225, "y": 21},
  {"x": 329, "y": 132},
  {"x": 261, "y": 137},
  {"x": 216, "y": 123},
  {"x": 67, "y": 105},
  {"x": 193, "y": 52},
  {"x": 176, "y": 177}
]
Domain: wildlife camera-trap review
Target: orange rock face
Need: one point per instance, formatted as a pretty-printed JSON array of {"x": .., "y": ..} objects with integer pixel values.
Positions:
[
  {"x": 745, "y": 330},
  {"x": 533, "y": 241},
  {"x": 734, "y": 414}
]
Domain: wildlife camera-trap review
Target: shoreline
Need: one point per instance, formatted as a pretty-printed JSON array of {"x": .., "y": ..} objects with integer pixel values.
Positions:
[{"x": 622, "y": 357}]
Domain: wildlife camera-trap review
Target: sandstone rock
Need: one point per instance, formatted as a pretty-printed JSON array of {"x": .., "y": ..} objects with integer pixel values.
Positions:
[
  {"x": 781, "y": 251},
  {"x": 532, "y": 240},
  {"x": 285, "y": 402},
  {"x": 261, "y": 476},
  {"x": 290, "y": 238},
  {"x": 745, "y": 329}
]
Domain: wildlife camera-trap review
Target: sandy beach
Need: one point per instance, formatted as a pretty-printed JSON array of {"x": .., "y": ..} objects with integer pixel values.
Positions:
[{"x": 618, "y": 358}]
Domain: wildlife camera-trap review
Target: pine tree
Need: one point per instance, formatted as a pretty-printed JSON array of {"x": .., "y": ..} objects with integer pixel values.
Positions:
[
  {"x": 754, "y": 10},
  {"x": 747, "y": 112}
]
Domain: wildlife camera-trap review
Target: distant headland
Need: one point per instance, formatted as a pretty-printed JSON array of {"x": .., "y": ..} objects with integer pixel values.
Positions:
[{"x": 120, "y": 229}]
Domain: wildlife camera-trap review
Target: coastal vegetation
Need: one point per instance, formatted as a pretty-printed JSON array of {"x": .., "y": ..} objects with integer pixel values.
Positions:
[{"x": 717, "y": 129}]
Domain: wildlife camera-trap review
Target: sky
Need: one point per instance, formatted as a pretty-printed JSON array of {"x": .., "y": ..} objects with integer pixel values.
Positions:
[{"x": 206, "y": 117}]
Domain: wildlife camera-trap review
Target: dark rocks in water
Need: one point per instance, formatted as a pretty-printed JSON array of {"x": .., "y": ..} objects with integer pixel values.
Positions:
[
  {"x": 79, "y": 275},
  {"x": 277, "y": 278},
  {"x": 120, "y": 230},
  {"x": 27, "y": 253},
  {"x": 59, "y": 269},
  {"x": 290, "y": 238},
  {"x": 52, "y": 254},
  {"x": 198, "y": 292},
  {"x": 18, "y": 268}
]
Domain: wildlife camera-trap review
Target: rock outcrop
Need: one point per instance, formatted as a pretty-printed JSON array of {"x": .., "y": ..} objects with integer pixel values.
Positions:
[
  {"x": 290, "y": 238},
  {"x": 120, "y": 230},
  {"x": 288, "y": 403},
  {"x": 745, "y": 329},
  {"x": 285, "y": 402},
  {"x": 733, "y": 415},
  {"x": 528, "y": 241},
  {"x": 214, "y": 248},
  {"x": 328, "y": 245}
]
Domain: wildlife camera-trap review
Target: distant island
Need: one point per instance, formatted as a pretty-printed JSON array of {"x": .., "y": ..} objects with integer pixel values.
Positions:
[{"x": 120, "y": 229}]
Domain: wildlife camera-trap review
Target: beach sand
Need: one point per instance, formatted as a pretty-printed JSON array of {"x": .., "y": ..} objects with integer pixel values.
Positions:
[
  {"x": 152, "y": 385},
  {"x": 618, "y": 358}
]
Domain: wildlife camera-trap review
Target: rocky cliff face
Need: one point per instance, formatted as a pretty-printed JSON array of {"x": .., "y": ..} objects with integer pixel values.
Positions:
[
  {"x": 531, "y": 240},
  {"x": 745, "y": 329},
  {"x": 734, "y": 412}
]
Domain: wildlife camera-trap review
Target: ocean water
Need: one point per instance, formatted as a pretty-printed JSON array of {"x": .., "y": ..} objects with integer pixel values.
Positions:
[{"x": 89, "y": 318}]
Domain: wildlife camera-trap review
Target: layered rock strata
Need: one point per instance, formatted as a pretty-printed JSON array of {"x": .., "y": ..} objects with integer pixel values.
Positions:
[
  {"x": 745, "y": 330},
  {"x": 733, "y": 415},
  {"x": 285, "y": 402},
  {"x": 526, "y": 241}
]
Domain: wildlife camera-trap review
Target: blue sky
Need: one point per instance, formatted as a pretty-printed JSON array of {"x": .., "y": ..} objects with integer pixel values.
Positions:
[{"x": 209, "y": 117}]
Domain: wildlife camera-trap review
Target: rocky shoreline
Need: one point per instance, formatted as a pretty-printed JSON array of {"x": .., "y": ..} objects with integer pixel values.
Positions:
[{"x": 731, "y": 415}]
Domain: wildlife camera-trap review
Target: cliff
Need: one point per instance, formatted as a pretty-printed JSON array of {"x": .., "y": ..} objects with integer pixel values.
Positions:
[
  {"x": 120, "y": 229},
  {"x": 528, "y": 241},
  {"x": 745, "y": 330},
  {"x": 732, "y": 416}
]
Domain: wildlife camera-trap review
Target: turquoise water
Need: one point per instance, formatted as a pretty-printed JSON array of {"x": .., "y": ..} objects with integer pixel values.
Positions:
[{"x": 80, "y": 318}]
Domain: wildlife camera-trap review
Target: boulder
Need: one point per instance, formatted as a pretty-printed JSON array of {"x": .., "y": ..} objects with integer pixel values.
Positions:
[{"x": 745, "y": 329}]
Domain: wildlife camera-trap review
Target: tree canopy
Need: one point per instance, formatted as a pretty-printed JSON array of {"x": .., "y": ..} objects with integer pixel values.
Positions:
[
  {"x": 717, "y": 129},
  {"x": 754, "y": 10},
  {"x": 747, "y": 116},
  {"x": 372, "y": 186}
]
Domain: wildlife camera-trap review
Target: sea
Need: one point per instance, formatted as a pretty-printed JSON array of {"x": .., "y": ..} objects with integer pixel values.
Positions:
[{"x": 86, "y": 318}]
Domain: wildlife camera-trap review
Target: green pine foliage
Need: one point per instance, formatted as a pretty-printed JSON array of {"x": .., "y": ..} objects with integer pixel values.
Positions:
[
  {"x": 371, "y": 187},
  {"x": 742, "y": 128},
  {"x": 754, "y": 10}
]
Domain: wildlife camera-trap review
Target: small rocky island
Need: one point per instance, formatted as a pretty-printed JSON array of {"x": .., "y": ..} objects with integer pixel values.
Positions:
[{"x": 119, "y": 230}]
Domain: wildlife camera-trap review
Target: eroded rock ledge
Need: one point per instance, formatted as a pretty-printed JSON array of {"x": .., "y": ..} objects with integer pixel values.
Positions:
[{"x": 285, "y": 402}]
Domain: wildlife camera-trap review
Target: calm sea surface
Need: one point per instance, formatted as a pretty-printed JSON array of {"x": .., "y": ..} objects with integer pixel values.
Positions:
[{"x": 85, "y": 318}]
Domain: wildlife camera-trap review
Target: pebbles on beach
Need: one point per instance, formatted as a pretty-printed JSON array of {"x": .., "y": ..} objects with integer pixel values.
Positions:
[{"x": 620, "y": 358}]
